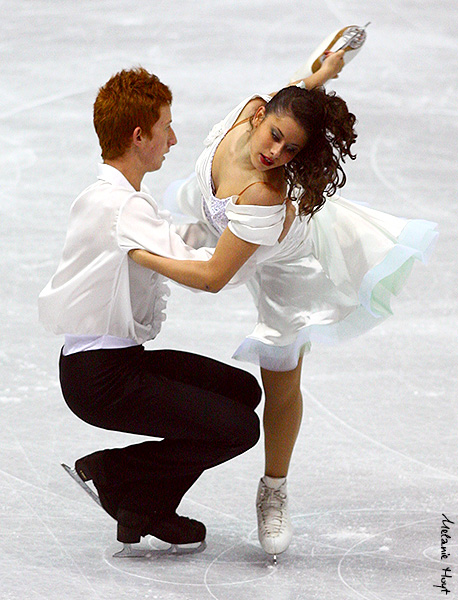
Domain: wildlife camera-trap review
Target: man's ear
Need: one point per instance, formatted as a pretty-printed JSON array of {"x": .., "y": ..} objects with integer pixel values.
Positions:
[{"x": 137, "y": 136}]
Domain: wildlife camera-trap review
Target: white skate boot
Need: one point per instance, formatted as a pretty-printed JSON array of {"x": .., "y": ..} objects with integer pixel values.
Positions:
[
  {"x": 274, "y": 524},
  {"x": 350, "y": 39}
]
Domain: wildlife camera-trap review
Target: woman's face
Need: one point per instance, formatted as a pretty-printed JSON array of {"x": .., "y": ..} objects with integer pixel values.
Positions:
[{"x": 275, "y": 140}]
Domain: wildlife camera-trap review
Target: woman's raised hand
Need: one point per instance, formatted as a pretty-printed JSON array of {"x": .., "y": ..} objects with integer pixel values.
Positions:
[{"x": 333, "y": 64}]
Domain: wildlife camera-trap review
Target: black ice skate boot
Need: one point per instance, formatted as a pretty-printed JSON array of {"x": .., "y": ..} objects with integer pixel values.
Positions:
[
  {"x": 168, "y": 527},
  {"x": 89, "y": 468}
]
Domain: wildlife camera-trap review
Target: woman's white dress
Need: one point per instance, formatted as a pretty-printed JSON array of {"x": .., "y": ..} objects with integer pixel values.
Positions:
[{"x": 331, "y": 278}]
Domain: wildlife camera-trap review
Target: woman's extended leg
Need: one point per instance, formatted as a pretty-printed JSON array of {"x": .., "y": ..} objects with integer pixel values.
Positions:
[{"x": 282, "y": 419}]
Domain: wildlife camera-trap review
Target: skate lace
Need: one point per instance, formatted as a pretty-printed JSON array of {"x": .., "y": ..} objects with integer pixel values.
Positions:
[{"x": 272, "y": 508}]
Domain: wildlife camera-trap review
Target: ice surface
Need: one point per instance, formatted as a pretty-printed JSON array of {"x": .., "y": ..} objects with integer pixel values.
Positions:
[{"x": 376, "y": 464}]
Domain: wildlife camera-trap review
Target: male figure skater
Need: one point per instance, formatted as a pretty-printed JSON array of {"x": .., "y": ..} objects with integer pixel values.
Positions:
[{"x": 108, "y": 306}]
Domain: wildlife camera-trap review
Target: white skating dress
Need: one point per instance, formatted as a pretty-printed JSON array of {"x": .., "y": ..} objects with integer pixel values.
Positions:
[{"x": 331, "y": 278}]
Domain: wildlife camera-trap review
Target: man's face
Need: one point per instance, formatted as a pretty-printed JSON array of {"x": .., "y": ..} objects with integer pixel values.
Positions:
[{"x": 162, "y": 139}]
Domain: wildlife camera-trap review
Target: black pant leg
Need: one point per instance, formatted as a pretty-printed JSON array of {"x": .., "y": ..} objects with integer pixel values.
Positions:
[
  {"x": 217, "y": 427},
  {"x": 206, "y": 373},
  {"x": 174, "y": 395}
]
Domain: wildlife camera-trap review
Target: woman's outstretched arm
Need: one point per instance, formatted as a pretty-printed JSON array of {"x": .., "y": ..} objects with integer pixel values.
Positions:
[
  {"x": 331, "y": 67},
  {"x": 230, "y": 254},
  {"x": 209, "y": 275}
]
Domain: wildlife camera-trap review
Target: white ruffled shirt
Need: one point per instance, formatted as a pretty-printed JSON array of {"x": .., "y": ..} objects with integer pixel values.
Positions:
[{"x": 99, "y": 297}]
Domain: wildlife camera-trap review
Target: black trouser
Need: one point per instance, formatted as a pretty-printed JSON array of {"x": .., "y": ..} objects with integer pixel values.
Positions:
[{"x": 202, "y": 408}]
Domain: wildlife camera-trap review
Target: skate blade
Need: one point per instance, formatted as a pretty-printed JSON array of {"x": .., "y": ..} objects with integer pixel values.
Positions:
[
  {"x": 129, "y": 552},
  {"x": 74, "y": 475},
  {"x": 357, "y": 39}
]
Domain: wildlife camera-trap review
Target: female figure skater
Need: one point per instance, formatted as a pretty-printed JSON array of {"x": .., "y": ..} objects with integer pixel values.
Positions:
[{"x": 329, "y": 278}]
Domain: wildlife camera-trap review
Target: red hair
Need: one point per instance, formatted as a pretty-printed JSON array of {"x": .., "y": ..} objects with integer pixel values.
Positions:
[{"x": 131, "y": 98}]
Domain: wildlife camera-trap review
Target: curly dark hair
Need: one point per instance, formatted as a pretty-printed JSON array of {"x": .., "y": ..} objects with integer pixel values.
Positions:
[{"x": 316, "y": 171}]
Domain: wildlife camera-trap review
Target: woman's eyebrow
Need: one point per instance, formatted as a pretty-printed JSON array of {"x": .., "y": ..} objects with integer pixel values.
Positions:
[{"x": 282, "y": 135}]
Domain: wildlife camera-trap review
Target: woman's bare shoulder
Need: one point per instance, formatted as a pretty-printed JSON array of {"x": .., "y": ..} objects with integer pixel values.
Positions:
[{"x": 261, "y": 193}]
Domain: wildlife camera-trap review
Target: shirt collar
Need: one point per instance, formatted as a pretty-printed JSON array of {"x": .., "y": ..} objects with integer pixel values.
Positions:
[{"x": 114, "y": 176}]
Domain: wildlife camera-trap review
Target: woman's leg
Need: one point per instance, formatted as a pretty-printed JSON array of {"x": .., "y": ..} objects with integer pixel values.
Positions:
[{"x": 282, "y": 417}]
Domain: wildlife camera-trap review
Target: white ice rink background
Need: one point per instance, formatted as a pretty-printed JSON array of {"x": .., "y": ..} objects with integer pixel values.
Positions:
[{"x": 376, "y": 464}]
